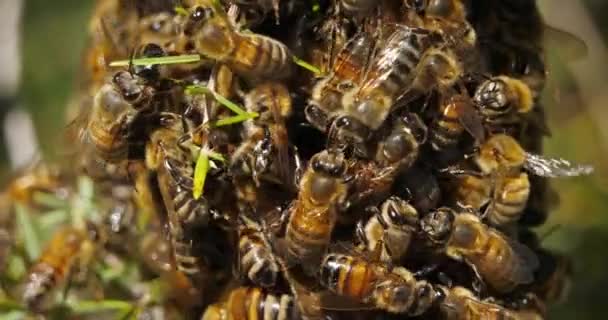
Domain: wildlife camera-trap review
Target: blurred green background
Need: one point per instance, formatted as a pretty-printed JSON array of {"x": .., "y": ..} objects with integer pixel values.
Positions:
[{"x": 54, "y": 36}]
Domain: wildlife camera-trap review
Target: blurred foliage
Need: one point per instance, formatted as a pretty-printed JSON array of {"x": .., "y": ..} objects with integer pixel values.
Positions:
[{"x": 54, "y": 36}]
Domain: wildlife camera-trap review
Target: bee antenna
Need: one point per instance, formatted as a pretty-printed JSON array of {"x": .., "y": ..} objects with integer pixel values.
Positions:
[{"x": 131, "y": 57}]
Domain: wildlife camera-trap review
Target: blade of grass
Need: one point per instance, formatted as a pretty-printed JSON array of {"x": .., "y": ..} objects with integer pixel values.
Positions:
[
  {"x": 53, "y": 218},
  {"x": 98, "y": 306},
  {"x": 15, "y": 268},
  {"x": 188, "y": 58},
  {"x": 48, "y": 200},
  {"x": 200, "y": 174},
  {"x": 7, "y": 305},
  {"x": 194, "y": 89},
  {"x": 306, "y": 65},
  {"x": 31, "y": 240},
  {"x": 181, "y": 11},
  {"x": 236, "y": 119},
  {"x": 216, "y": 156}
]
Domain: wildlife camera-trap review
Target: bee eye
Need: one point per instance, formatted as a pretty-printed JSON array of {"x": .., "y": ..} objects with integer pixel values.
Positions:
[
  {"x": 440, "y": 8},
  {"x": 198, "y": 14},
  {"x": 417, "y": 5}
]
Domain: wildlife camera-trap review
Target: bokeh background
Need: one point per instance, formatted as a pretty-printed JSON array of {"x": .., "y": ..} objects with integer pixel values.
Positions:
[{"x": 53, "y": 36}]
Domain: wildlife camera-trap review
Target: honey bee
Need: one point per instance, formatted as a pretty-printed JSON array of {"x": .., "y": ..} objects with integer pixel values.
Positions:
[
  {"x": 456, "y": 117},
  {"x": 502, "y": 99},
  {"x": 347, "y": 69},
  {"x": 115, "y": 108},
  {"x": 174, "y": 170},
  {"x": 53, "y": 266},
  {"x": 162, "y": 29},
  {"x": 314, "y": 212},
  {"x": 407, "y": 63},
  {"x": 389, "y": 230},
  {"x": 502, "y": 153},
  {"x": 506, "y": 196},
  {"x": 249, "y": 55},
  {"x": 395, "y": 290},
  {"x": 156, "y": 255},
  {"x": 38, "y": 176},
  {"x": 249, "y": 303},
  {"x": 256, "y": 261},
  {"x": 395, "y": 154},
  {"x": 461, "y": 304},
  {"x": 501, "y": 263},
  {"x": 266, "y": 142}
]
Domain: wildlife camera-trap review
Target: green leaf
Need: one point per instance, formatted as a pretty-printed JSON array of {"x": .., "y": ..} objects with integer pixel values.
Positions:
[
  {"x": 14, "y": 315},
  {"x": 200, "y": 174},
  {"x": 236, "y": 119},
  {"x": 15, "y": 269},
  {"x": 306, "y": 65},
  {"x": 51, "y": 219},
  {"x": 49, "y": 200},
  {"x": 181, "y": 11},
  {"x": 217, "y": 156},
  {"x": 10, "y": 305},
  {"x": 194, "y": 89},
  {"x": 31, "y": 241},
  {"x": 99, "y": 306},
  {"x": 188, "y": 58}
]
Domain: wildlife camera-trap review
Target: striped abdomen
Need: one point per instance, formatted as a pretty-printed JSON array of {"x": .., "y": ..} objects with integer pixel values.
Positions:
[
  {"x": 510, "y": 198},
  {"x": 309, "y": 233},
  {"x": 257, "y": 262},
  {"x": 251, "y": 303},
  {"x": 447, "y": 130},
  {"x": 257, "y": 56},
  {"x": 53, "y": 266},
  {"x": 346, "y": 276}
]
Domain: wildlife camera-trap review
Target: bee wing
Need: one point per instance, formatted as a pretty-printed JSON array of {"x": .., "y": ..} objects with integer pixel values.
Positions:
[
  {"x": 571, "y": 47},
  {"x": 554, "y": 167},
  {"x": 528, "y": 261},
  {"x": 471, "y": 121},
  {"x": 353, "y": 59}
]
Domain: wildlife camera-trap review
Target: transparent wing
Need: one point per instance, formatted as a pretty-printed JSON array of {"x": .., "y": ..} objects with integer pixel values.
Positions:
[{"x": 554, "y": 167}]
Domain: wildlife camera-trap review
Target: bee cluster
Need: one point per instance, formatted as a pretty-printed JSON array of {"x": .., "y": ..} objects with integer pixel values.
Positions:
[{"x": 385, "y": 163}]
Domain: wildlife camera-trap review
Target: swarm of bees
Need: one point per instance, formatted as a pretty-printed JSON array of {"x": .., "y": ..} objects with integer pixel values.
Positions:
[{"x": 292, "y": 159}]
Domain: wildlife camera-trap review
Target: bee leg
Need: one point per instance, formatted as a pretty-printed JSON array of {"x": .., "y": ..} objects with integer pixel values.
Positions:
[
  {"x": 426, "y": 271},
  {"x": 478, "y": 284}
]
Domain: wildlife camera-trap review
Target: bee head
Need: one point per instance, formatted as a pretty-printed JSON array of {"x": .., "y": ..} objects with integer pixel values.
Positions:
[
  {"x": 150, "y": 73},
  {"x": 316, "y": 116},
  {"x": 437, "y": 225},
  {"x": 399, "y": 212},
  {"x": 349, "y": 129}
]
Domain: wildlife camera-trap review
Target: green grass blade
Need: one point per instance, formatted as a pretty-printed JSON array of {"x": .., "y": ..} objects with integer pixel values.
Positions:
[
  {"x": 99, "y": 306},
  {"x": 31, "y": 240},
  {"x": 217, "y": 156},
  {"x": 187, "y": 58},
  {"x": 48, "y": 200},
  {"x": 307, "y": 66},
  {"x": 181, "y": 11},
  {"x": 200, "y": 174},
  {"x": 218, "y": 97},
  {"x": 51, "y": 219},
  {"x": 10, "y": 305},
  {"x": 236, "y": 119}
]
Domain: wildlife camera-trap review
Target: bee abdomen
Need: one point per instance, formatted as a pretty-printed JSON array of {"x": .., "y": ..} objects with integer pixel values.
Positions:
[
  {"x": 257, "y": 261},
  {"x": 185, "y": 259},
  {"x": 41, "y": 281},
  {"x": 510, "y": 201},
  {"x": 346, "y": 276},
  {"x": 250, "y": 303}
]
